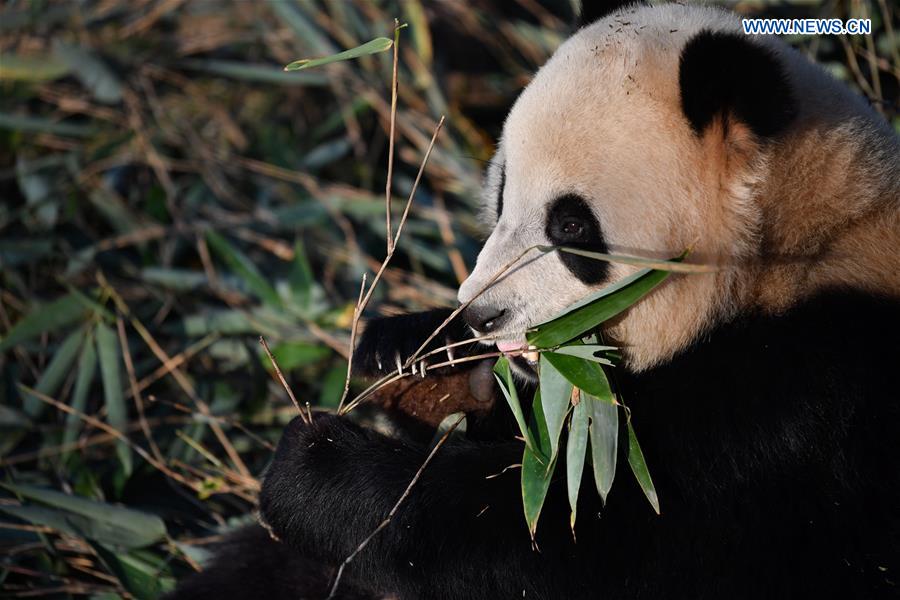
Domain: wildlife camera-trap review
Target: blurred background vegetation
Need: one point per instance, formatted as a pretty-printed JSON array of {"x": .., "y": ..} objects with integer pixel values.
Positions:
[{"x": 168, "y": 194}]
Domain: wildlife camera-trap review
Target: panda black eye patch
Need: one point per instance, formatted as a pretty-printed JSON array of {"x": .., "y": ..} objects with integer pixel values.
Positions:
[{"x": 571, "y": 222}]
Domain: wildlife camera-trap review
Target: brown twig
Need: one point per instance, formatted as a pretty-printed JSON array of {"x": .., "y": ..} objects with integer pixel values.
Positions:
[
  {"x": 176, "y": 361},
  {"x": 886, "y": 18},
  {"x": 377, "y": 385},
  {"x": 354, "y": 327},
  {"x": 389, "y": 379},
  {"x": 390, "y": 168},
  {"x": 135, "y": 392},
  {"x": 284, "y": 382},
  {"x": 396, "y": 507}
]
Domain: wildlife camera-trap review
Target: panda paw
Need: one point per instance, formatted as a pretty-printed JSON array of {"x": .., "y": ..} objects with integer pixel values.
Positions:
[
  {"x": 310, "y": 457},
  {"x": 306, "y": 449},
  {"x": 388, "y": 342}
]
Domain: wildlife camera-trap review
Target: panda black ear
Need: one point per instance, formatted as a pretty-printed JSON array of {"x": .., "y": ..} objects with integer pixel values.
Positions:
[
  {"x": 726, "y": 74},
  {"x": 591, "y": 10}
]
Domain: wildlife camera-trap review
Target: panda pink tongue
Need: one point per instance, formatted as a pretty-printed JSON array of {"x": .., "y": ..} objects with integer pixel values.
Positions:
[{"x": 510, "y": 347}]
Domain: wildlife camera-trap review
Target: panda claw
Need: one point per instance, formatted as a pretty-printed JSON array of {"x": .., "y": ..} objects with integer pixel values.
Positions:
[{"x": 399, "y": 364}]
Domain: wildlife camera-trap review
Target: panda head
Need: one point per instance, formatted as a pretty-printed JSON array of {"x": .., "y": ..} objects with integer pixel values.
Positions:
[{"x": 649, "y": 132}]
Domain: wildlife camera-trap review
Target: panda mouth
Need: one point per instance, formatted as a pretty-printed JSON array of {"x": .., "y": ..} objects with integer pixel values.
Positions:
[
  {"x": 512, "y": 348},
  {"x": 518, "y": 349}
]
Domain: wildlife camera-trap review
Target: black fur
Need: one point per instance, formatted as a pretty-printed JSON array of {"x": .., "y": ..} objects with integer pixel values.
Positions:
[
  {"x": 729, "y": 75},
  {"x": 591, "y": 10},
  {"x": 385, "y": 338},
  {"x": 773, "y": 445},
  {"x": 572, "y": 209}
]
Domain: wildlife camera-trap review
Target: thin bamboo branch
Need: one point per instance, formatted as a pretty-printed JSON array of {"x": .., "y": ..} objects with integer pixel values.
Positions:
[
  {"x": 354, "y": 327},
  {"x": 135, "y": 392},
  {"x": 391, "y": 137},
  {"x": 283, "y": 381}
]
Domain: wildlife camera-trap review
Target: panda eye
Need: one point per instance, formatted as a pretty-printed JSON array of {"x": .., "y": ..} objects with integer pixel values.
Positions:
[
  {"x": 573, "y": 228},
  {"x": 571, "y": 222}
]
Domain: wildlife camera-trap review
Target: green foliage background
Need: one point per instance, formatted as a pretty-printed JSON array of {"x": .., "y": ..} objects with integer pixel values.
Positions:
[{"x": 168, "y": 194}]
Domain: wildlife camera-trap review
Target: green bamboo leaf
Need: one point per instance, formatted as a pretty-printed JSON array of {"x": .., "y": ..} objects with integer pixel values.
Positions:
[
  {"x": 639, "y": 468},
  {"x": 604, "y": 429},
  {"x": 17, "y": 122},
  {"x": 31, "y": 68},
  {"x": 243, "y": 267},
  {"x": 301, "y": 278},
  {"x": 583, "y": 374},
  {"x": 333, "y": 386},
  {"x": 14, "y": 425},
  {"x": 109, "y": 353},
  {"x": 73, "y": 525},
  {"x": 537, "y": 467},
  {"x": 536, "y": 476},
  {"x": 303, "y": 25},
  {"x": 507, "y": 386},
  {"x": 137, "y": 576},
  {"x": 14, "y": 253},
  {"x": 115, "y": 211},
  {"x": 89, "y": 302},
  {"x": 55, "y": 373},
  {"x": 179, "y": 280},
  {"x": 595, "y": 309},
  {"x": 222, "y": 322},
  {"x": 89, "y": 518},
  {"x": 326, "y": 153},
  {"x": 375, "y": 46},
  {"x": 52, "y": 316},
  {"x": 537, "y": 427},
  {"x": 87, "y": 367},
  {"x": 576, "y": 450},
  {"x": 455, "y": 420},
  {"x": 94, "y": 74},
  {"x": 588, "y": 352},
  {"x": 414, "y": 12},
  {"x": 291, "y": 355},
  {"x": 556, "y": 394},
  {"x": 590, "y": 378},
  {"x": 10, "y": 418}
]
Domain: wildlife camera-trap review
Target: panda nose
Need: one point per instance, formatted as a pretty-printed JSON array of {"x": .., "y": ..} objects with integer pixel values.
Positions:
[{"x": 484, "y": 319}]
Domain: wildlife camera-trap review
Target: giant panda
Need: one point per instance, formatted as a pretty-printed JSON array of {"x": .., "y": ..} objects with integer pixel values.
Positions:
[{"x": 766, "y": 393}]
